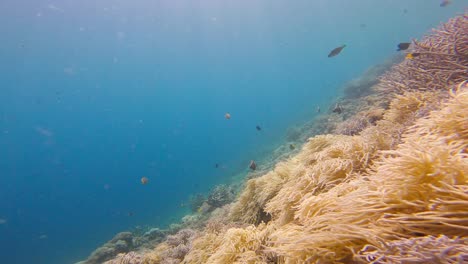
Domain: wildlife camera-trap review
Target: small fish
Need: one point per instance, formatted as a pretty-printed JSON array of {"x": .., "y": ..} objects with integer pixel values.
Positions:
[
  {"x": 445, "y": 3},
  {"x": 130, "y": 214},
  {"x": 403, "y": 46},
  {"x": 318, "y": 109},
  {"x": 3, "y": 221},
  {"x": 292, "y": 147},
  {"x": 253, "y": 165},
  {"x": 405, "y": 11},
  {"x": 258, "y": 128},
  {"x": 336, "y": 51},
  {"x": 43, "y": 237},
  {"x": 338, "y": 109},
  {"x": 412, "y": 55},
  {"x": 227, "y": 116},
  {"x": 362, "y": 25},
  {"x": 216, "y": 165},
  {"x": 144, "y": 180}
]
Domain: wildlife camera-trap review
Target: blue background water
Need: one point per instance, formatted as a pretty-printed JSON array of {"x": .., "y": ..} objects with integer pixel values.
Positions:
[{"x": 96, "y": 94}]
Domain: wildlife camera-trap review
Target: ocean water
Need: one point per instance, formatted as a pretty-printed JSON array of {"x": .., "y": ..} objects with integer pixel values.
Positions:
[{"x": 95, "y": 95}]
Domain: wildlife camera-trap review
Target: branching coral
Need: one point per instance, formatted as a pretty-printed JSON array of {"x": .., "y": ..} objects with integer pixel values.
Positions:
[
  {"x": 442, "y": 60},
  {"x": 427, "y": 249}
]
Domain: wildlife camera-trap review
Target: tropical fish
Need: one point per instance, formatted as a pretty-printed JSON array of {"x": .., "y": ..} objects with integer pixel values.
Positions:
[
  {"x": 227, "y": 116},
  {"x": 258, "y": 128},
  {"x": 403, "y": 46},
  {"x": 253, "y": 165},
  {"x": 144, "y": 180},
  {"x": 292, "y": 147},
  {"x": 336, "y": 51},
  {"x": 412, "y": 55},
  {"x": 445, "y": 3}
]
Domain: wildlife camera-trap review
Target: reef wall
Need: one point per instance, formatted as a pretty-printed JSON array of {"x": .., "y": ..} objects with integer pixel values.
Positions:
[{"x": 387, "y": 183}]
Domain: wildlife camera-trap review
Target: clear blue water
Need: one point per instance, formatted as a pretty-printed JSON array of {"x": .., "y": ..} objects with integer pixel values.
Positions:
[{"x": 96, "y": 94}]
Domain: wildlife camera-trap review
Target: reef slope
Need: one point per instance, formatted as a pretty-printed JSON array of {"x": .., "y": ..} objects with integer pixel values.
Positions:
[{"x": 386, "y": 184}]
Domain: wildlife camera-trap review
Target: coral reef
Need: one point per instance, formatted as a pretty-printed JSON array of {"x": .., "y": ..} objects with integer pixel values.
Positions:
[
  {"x": 221, "y": 195},
  {"x": 428, "y": 249},
  {"x": 121, "y": 243},
  {"x": 196, "y": 201},
  {"x": 359, "y": 122},
  {"x": 126, "y": 258},
  {"x": 173, "y": 249},
  {"x": 442, "y": 60},
  {"x": 389, "y": 185},
  {"x": 364, "y": 85}
]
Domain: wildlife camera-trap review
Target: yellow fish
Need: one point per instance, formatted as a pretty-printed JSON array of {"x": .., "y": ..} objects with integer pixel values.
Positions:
[{"x": 412, "y": 55}]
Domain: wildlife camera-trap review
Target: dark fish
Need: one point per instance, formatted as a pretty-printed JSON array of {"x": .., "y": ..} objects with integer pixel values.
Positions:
[
  {"x": 253, "y": 165},
  {"x": 362, "y": 25},
  {"x": 216, "y": 165},
  {"x": 445, "y": 3},
  {"x": 130, "y": 213},
  {"x": 405, "y": 11},
  {"x": 291, "y": 146},
  {"x": 403, "y": 46},
  {"x": 338, "y": 109},
  {"x": 258, "y": 128},
  {"x": 336, "y": 51}
]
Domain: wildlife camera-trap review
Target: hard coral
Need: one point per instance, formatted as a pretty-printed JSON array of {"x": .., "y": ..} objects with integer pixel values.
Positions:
[
  {"x": 359, "y": 122},
  {"x": 443, "y": 60},
  {"x": 126, "y": 258},
  {"x": 428, "y": 249},
  {"x": 221, "y": 195}
]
